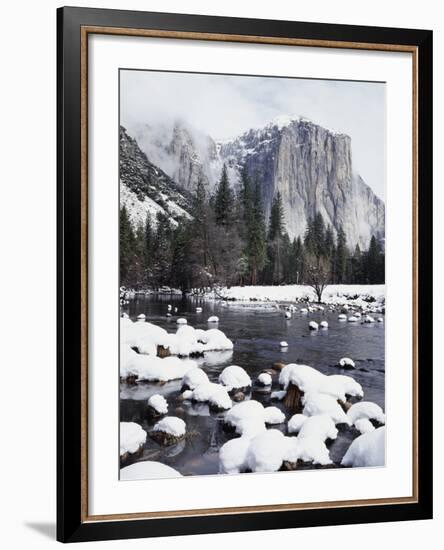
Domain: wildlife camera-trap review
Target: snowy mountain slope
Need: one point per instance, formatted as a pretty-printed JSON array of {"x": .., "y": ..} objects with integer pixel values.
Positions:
[
  {"x": 145, "y": 188},
  {"x": 309, "y": 165}
]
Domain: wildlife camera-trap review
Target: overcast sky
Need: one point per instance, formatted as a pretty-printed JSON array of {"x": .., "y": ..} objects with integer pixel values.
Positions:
[{"x": 226, "y": 106}]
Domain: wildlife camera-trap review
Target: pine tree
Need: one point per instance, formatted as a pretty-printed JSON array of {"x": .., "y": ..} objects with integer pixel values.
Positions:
[
  {"x": 126, "y": 246},
  {"x": 275, "y": 248},
  {"x": 341, "y": 257},
  {"x": 224, "y": 200},
  {"x": 276, "y": 225},
  {"x": 256, "y": 242}
]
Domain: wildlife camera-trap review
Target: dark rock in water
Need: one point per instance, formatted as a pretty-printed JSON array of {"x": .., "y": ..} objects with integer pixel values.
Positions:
[
  {"x": 278, "y": 366},
  {"x": 163, "y": 438},
  {"x": 163, "y": 352},
  {"x": 363, "y": 370},
  {"x": 344, "y": 404},
  {"x": 238, "y": 396},
  {"x": 244, "y": 390},
  {"x": 131, "y": 380},
  {"x": 152, "y": 414},
  {"x": 301, "y": 465},
  {"x": 128, "y": 458}
]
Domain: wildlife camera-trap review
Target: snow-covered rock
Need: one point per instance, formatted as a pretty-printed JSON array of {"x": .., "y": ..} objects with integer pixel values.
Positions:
[
  {"x": 347, "y": 363},
  {"x": 233, "y": 455},
  {"x": 342, "y": 317},
  {"x": 147, "y": 470},
  {"x": 353, "y": 319},
  {"x": 302, "y": 376},
  {"x": 296, "y": 422},
  {"x": 323, "y": 324},
  {"x": 319, "y": 427},
  {"x": 143, "y": 336},
  {"x": 132, "y": 437},
  {"x": 158, "y": 403},
  {"x": 278, "y": 395},
  {"x": 266, "y": 451},
  {"x": 364, "y": 425},
  {"x": 234, "y": 378},
  {"x": 213, "y": 394},
  {"x": 283, "y": 344},
  {"x": 307, "y": 449},
  {"x": 169, "y": 430},
  {"x": 156, "y": 369},
  {"x": 265, "y": 379},
  {"x": 366, "y": 450},
  {"x": 313, "y": 325},
  {"x": 194, "y": 377},
  {"x": 213, "y": 319},
  {"x": 246, "y": 414},
  {"x": 181, "y": 321},
  {"x": 320, "y": 403},
  {"x": 273, "y": 415},
  {"x": 366, "y": 409}
]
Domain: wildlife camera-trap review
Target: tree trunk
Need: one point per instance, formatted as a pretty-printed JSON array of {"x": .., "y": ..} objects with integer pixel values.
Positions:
[{"x": 293, "y": 398}]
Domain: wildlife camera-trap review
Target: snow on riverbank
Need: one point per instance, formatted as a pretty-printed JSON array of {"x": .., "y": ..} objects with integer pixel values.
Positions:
[{"x": 333, "y": 294}]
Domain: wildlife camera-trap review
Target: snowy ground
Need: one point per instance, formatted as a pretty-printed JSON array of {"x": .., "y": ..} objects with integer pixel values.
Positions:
[{"x": 333, "y": 294}]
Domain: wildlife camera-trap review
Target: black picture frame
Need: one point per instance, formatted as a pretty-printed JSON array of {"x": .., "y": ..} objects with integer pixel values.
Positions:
[{"x": 71, "y": 523}]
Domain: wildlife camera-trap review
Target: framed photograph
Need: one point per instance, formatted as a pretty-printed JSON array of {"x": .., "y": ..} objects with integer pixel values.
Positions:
[{"x": 244, "y": 274}]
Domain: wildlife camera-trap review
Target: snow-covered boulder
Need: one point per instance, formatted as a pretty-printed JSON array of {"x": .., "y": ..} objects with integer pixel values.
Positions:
[
  {"x": 264, "y": 379},
  {"x": 193, "y": 378},
  {"x": 266, "y": 451},
  {"x": 319, "y": 427},
  {"x": 233, "y": 456},
  {"x": 234, "y": 378},
  {"x": 247, "y": 415},
  {"x": 306, "y": 449},
  {"x": 366, "y": 450},
  {"x": 353, "y": 319},
  {"x": 132, "y": 440},
  {"x": 147, "y": 470},
  {"x": 141, "y": 317},
  {"x": 181, "y": 321},
  {"x": 278, "y": 395},
  {"x": 273, "y": 415},
  {"x": 321, "y": 403},
  {"x": 342, "y": 317},
  {"x": 213, "y": 319},
  {"x": 302, "y": 376},
  {"x": 323, "y": 324},
  {"x": 313, "y": 325},
  {"x": 369, "y": 319},
  {"x": 346, "y": 363},
  {"x": 366, "y": 409},
  {"x": 143, "y": 336},
  {"x": 157, "y": 405},
  {"x": 214, "y": 394},
  {"x": 169, "y": 430},
  {"x": 296, "y": 422},
  {"x": 364, "y": 425},
  {"x": 156, "y": 369},
  {"x": 283, "y": 344}
]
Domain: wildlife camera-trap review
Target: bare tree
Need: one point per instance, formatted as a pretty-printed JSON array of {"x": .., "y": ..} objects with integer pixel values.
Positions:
[{"x": 317, "y": 273}]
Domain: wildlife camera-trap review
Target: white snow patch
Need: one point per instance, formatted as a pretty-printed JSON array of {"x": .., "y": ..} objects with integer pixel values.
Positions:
[
  {"x": 233, "y": 455},
  {"x": 366, "y": 450},
  {"x": 194, "y": 377},
  {"x": 366, "y": 409},
  {"x": 132, "y": 437},
  {"x": 273, "y": 415},
  {"x": 158, "y": 403},
  {"x": 321, "y": 403},
  {"x": 171, "y": 425},
  {"x": 265, "y": 379},
  {"x": 147, "y": 470},
  {"x": 234, "y": 377}
]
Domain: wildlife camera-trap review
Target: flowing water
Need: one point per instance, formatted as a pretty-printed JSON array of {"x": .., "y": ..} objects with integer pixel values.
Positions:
[{"x": 256, "y": 331}]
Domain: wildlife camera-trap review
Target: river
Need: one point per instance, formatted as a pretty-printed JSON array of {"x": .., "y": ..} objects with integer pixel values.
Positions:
[{"x": 256, "y": 331}]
